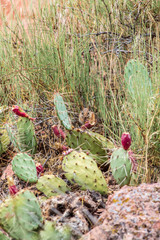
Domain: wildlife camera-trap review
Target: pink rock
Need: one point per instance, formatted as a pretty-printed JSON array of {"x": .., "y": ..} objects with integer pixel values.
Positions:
[{"x": 131, "y": 213}]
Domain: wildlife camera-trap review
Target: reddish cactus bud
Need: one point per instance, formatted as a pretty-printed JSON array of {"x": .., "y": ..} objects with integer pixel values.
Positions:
[
  {"x": 64, "y": 148},
  {"x": 126, "y": 140},
  {"x": 18, "y": 111},
  {"x": 12, "y": 187},
  {"x": 67, "y": 152},
  {"x": 13, "y": 190},
  {"x": 87, "y": 125},
  {"x": 58, "y": 132},
  {"x": 39, "y": 169},
  {"x": 133, "y": 160}
]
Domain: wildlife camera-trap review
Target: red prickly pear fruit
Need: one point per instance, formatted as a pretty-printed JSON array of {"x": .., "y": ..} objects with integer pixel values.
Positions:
[
  {"x": 87, "y": 125},
  {"x": 12, "y": 187},
  {"x": 126, "y": 140},
  {"x": 58, "y": 132},
  {"x": 39, "y": 169},
  {"x": 19, "y": 111}
]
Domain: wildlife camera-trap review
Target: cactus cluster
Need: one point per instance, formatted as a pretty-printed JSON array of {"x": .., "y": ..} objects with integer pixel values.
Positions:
[
  {"x": 51, "y": 185},
  {"x": 21, "y": 216},
  {"x": 24, "y": 167},
  {"x": 82, "y": 169}
]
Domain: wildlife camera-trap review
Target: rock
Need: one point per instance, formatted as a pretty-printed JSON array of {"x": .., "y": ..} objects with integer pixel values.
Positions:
[{"x": 132, "y": 213}]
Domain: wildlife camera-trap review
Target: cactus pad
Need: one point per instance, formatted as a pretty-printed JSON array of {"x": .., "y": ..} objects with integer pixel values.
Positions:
[
  {"x": 121, "y": 166},
  {"x": 3, "y": 237},
  {"x": 138, "y": 90},
  {"x": 137, "y": 79},
  {"x": 51, "y": 185},
  {"x": 82, "y": 169},
  {"x": 50, "y": 232},
  {"x": 62, "y": 111},
  {"x": 21, "y": 215},
  {"x": 95, "y": 143},
  {"x": 26, "y": 135},
  {"x": 24, "y": 167},
  {"x": 4, "y": 139}
]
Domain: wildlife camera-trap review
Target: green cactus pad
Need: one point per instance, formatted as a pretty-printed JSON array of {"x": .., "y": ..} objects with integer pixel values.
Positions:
[
  {"x": 62, "y": 111},
  {"x": 3, "y": 237},
  {"x": 95, "y": 143},
  {"x": 82, "y": 169},
  {"x": 138, "y": 91},
  {"x": 21, "y": 215},
  {"x": 51, "y": 185},
  {"x": 137, "y": 79},
  {"x": 4, "y": 139},
  {"x": 4, "y": 110},
  {"x": 24, "y": 167},
  {"x": 12, "y": 137},
  {"x": 121, "y": 166},
  {"x": 26, "y": 135},
  {"x": 50, "y": 232}
]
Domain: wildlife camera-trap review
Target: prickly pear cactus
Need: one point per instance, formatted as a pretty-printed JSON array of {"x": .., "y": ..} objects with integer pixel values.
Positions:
[
  {"x": 50, "y": 232},
  {"x": 138, "y": 89},
  {"x": 51, "y": 185},
  {"x": 82, "y": 169},
  {"x": 26, "y": 135},
  {"x": 4, "y": 139},
  {"x": 62, "y": 111},
  {"x": 121, "y": 166},
  {"x": 24, "y": 167},
  {"x": 21, "y": 216},
  {"x": 3, "y": 237},
  {"x": 138, "y": 82},
  {"x": 13, "y": 137},
  {"x": 4, "y": 110},
  {"x": 95, "y": 143}
]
